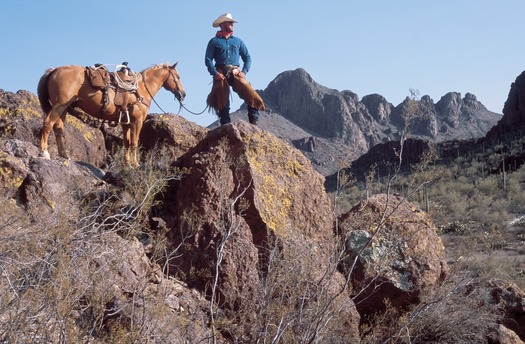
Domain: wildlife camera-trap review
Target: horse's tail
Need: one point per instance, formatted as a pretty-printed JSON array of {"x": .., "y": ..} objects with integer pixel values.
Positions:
[{"x": 43, "y": 92}]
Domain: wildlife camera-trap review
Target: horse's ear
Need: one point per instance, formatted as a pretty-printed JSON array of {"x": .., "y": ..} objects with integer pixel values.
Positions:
[{"x": 175, "y": 65}]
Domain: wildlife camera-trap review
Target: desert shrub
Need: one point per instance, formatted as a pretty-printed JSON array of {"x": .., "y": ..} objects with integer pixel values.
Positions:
[
  {"x": 294, "y": 306},
  {"x": 491, "y": 266},
  {"x": 445, "y": 315},
  {"x": 456, "y": 205},
  {"x": 454, "y": 227},
  {"x": 489, "y": 186},
  {"x": 59, "y": 283}
]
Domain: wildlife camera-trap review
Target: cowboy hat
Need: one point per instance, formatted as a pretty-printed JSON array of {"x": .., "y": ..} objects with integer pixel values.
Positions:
[{"x": 226, "y": 17}]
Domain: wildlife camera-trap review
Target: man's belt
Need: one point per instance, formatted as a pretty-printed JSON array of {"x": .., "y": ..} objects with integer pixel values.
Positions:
[{"x": 226, "y": 69}]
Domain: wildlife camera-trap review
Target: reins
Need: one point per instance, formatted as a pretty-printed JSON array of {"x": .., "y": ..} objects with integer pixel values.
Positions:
[
  {"x": 193, "y": 113},
  {"x": 181, "y": 105},
  {"x": 152, "y": 97}
]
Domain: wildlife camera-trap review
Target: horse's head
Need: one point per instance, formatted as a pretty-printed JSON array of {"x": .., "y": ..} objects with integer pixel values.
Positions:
[{"x": 173, "y": 83}]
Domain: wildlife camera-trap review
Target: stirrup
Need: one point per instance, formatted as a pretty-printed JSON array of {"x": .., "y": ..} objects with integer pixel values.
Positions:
[{"x": 127, "y": 117}]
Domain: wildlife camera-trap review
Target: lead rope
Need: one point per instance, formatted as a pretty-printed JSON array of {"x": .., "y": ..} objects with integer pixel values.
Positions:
[
  {"x": 181, "y": 106},
  {"x": 153, "y": 98},
  {"x": 193, "y": 113}
]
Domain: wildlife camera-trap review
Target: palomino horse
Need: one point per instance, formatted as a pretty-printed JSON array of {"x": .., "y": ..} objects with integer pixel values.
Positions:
[{"x": 67, "y": 87}]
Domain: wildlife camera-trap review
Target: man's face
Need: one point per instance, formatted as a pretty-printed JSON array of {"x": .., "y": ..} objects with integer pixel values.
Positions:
[{"x": 227, "y": 26}]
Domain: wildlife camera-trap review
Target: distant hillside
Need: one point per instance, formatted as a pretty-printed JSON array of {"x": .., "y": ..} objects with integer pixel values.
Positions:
[
  {"x": 513, "y": 120},
  {"x": 506, "y": 134},
  {"x": 328, "y": 125}
]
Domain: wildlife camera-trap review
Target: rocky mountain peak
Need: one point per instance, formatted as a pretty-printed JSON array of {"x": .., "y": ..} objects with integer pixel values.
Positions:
[
  {"x": 513, "y": 119},
  {"x": 300, "y": 109},
  {"x": 378, "y": 107}
]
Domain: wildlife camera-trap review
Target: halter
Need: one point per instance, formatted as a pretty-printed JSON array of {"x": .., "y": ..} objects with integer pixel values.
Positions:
[{"x": 181, "y": 105}]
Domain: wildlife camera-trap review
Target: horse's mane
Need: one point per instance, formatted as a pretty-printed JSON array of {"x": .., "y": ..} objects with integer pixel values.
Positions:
[{"x": 160, "y": 65}]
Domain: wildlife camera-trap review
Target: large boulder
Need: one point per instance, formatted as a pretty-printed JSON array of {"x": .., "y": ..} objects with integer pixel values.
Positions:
[
  {"x": 251, "y": 218},
  {"x": 392, "y": 253},
  {"x": 21, "y": 118},
  {"x": 47, "y": 189},
  {"x": 171, "y": 133}
]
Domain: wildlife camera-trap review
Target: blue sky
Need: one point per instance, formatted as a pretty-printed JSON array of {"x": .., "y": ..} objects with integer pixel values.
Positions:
[{"x": 375, "y": 46}]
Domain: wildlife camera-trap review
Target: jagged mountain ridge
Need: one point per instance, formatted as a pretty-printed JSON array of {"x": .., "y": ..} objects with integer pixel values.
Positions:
[
  {"x": 507, "y": 131},
  {"x": 338, "y": 125}
]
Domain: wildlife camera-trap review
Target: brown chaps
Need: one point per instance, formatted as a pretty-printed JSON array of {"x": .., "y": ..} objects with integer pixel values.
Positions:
[{"x": 218, "y": 97}]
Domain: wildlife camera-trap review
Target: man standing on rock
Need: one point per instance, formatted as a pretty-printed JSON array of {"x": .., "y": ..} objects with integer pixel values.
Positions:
[{"x": 226, "y": 50}]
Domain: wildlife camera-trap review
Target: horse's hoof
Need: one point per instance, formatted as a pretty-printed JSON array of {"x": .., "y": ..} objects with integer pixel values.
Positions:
[{"x": 45, "y": 155}]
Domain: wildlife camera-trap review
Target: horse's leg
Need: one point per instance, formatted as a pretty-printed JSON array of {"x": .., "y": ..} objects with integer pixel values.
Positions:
[
  {"x": 137, "y": 127},
  {"x": 49, "y": 122},
  {"x": 58, "y": 128},
  {"x": 126, "y": 135}
]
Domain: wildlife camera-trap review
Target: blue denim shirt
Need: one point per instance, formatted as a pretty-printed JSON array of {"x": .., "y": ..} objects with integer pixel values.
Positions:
[{"x": 227, "y": 52}]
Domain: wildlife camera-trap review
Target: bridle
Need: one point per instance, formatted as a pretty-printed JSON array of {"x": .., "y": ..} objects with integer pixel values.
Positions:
[{"x": 181, "y": 105}]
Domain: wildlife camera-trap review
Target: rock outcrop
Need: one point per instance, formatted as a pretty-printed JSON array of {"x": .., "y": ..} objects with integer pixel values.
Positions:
[
  {"x": 513, "y": 120},
  {"x": 253, "y": 212},
  {"x": 505, "y": 298},
  {"x": 241, "y": 246},
  {"x": 276, "y": 262},
  {"x": 393, "y": 253},
  {"x": 22, "y": 118},
  {"x": 103, "y": 283},
  {"x": 172, "y": 134}
]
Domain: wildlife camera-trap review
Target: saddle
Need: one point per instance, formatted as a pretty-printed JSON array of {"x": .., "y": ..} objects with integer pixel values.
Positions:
[{"x": 123, "y": 81}]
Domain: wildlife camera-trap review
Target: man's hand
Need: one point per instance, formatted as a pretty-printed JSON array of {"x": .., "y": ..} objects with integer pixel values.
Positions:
[
  {"x": 237, "y": 72},
  {"x": 219, "y": 76}
]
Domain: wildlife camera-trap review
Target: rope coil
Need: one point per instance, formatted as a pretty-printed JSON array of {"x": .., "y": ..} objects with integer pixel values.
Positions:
[{"x": 126, "y": 85}]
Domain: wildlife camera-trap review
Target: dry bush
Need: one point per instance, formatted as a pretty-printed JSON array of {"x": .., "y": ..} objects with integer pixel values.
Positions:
[
  {"x": 59, "y": 284},
  {"x": 449, "y": 314},
  {"x": 293, "y": 304},
  {"x": 28, "y": 308}
]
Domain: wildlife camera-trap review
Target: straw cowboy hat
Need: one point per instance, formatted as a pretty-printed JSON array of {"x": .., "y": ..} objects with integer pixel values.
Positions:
[{"x": 226, "y": 17}]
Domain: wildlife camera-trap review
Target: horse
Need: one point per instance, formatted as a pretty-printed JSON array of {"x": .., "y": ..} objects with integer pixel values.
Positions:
[{"x": 62, "y": 89}]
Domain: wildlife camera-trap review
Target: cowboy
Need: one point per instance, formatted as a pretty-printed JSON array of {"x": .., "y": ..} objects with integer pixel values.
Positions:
[{"x": 226, "y": 50}]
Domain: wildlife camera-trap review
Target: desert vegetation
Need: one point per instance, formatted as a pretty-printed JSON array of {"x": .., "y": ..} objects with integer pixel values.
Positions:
[
  {"x": 235, "y": 241},
  {"x": 476, "y": 198},
  {"x": 59, "y": 281}
]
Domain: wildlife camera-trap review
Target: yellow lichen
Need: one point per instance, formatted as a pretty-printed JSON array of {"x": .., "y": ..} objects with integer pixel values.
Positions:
[
  {"x": 75, "y": 122},
  {"x": 7, "y": 174},
  {"x": 50, "y": 203},
  {"x": 10, "y": 181},
  {"x": 79, "y": 125},
  {"x": 275, "y": 186}
]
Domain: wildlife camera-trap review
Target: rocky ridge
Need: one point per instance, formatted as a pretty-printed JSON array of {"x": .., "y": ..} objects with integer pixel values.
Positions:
[
  {"x": 513, "y": 120},
  {"x": 327, "y": 124}
]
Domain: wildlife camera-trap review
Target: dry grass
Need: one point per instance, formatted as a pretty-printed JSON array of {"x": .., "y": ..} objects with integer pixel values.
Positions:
[{"x": 66, "y": 283}]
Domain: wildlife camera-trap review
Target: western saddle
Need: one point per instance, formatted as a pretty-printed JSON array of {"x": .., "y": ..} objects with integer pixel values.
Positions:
[{"x": 123, "y": 81}]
